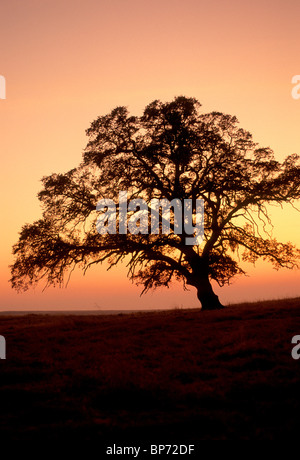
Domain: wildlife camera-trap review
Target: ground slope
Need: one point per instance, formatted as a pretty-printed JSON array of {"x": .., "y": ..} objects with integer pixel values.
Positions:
[{"x": 180, "y": 375}]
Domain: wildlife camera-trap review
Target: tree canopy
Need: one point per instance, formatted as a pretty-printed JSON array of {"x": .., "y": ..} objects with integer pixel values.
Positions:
[{"x": 171, "y": 151}]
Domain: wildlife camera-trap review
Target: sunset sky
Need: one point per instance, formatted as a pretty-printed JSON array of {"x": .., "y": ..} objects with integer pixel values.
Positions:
[{"x": 68, "y": 61}]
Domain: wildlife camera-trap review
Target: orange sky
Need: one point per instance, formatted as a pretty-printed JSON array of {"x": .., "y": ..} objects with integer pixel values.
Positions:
[{"x": 68, "y": 61}]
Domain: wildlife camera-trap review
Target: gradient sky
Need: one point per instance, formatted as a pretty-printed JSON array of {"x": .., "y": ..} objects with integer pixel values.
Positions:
[{"x": 68, "y": 61}]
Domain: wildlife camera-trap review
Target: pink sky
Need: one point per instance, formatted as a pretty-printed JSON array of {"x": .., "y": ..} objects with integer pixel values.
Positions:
[{"x": 67, "y": 62}]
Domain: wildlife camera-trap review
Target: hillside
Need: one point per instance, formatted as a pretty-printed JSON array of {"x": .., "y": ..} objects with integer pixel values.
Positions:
[{"x": 181, "y": 375}]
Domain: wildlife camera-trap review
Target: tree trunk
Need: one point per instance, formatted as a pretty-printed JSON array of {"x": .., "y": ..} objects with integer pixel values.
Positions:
[
  {"x": 200, "y": 280},
  {"x": 209, "y": 300}
]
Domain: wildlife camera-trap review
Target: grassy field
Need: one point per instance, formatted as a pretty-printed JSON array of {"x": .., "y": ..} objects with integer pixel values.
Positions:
[{"x": 180, "y": 375}]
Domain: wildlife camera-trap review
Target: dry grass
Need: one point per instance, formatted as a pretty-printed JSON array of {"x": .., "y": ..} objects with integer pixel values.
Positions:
[{"x": 181, "y": 375}]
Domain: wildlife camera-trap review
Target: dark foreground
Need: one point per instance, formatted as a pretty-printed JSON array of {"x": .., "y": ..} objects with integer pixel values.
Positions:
[{"x": 177, "y": 376}]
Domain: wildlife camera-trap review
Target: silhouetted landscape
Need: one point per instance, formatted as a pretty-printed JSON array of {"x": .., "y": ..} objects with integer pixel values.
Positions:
[{"x": 178, "y": 375}]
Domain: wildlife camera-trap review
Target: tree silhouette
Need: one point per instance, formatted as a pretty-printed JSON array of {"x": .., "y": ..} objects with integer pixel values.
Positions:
[{"x": 171, "y": 151}]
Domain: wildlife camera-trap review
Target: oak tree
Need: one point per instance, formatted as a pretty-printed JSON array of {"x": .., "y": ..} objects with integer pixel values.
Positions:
[{"x": 171, "y": 151}]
